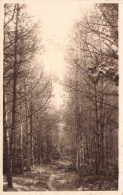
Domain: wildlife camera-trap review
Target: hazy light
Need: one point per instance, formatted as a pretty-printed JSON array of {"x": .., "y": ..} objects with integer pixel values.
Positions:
[{"x": 57, "y": 18}]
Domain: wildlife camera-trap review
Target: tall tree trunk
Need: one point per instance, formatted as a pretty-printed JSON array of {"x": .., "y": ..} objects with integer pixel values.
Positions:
[
  {"x": 39, "y": 144},
  {"x": 48, "y": 144},
  {"x": 97, "y": 160},
  {"x": 77, "y": 122},
  {"x": 28, "y": 153},
  {"x": 31, "y": 136},
  {"x": 21, "y": 145},
  {"x": 21, "y": 139},
  {"x": 28, "y": 164},
  {"x": 5, "y": 143},
  {"x": 39, "y": 148},
  {"x": 12, "y": 136}
]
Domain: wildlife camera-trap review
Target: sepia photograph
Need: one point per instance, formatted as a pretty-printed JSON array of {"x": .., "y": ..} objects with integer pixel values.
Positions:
[{"x": 60, "y": 96}]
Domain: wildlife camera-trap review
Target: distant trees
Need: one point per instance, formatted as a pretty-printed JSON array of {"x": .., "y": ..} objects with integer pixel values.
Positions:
[
  {"x": 26, "y": 95},
  {"x": 91, "y": 82}
]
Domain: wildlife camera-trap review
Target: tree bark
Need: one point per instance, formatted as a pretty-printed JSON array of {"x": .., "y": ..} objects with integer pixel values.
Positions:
[
  {"x": 12, "y": 136},
  {"x": 31, "y": 136},
  {"x": 97, "y": 160},
  {"x": 5, "y": 136}
]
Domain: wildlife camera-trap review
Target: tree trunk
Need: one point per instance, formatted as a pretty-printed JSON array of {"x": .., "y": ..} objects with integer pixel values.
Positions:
[
  {"x": 5, "y": 136},
  {"x": 12, "y": 136},
  {"x": 28, "y": 164},
  {"x": 39, "y": 147},
  {"x": 97, "y": 160},
  {"x": 47, "y": 152},
  {"x": 21, "y": 145},
  {"x": 31, "y": 136}
]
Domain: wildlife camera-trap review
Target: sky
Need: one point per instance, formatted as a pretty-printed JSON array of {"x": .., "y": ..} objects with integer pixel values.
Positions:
[{"x": 57, "y": 18}]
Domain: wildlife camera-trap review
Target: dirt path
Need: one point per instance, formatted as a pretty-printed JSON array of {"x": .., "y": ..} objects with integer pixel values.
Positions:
[
  {"x": 50, "y": 177},
  {"x": 56, "y": 176},
  {"x": 60, "y": 179}
]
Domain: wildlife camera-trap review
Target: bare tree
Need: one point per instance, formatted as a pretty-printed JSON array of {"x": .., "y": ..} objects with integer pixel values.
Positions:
[{"x": 92, "y": 83}]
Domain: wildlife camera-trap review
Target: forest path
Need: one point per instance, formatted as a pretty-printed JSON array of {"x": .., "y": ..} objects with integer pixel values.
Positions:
[
  {"x": 57, "y": 176},
  {"x": 54, "y": 176},
  {"x": 60, "y": 178}
]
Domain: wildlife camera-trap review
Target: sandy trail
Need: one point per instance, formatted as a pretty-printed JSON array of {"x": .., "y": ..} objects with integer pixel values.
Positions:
[{"x": 46, "y": 177}]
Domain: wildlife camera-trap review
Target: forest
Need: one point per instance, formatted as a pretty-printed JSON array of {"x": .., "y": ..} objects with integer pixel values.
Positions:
[{"x": 74, "y": 148}]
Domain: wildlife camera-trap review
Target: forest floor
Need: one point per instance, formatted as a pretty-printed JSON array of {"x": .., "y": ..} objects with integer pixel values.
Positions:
[
  {"x": 46, "y": 177},
  {"x": 55, "y": 176}
]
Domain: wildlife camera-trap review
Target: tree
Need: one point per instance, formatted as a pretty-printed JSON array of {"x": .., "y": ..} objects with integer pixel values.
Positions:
[
  {"x": 92, "y": 86},
  {"x": 19, "y": 49}
]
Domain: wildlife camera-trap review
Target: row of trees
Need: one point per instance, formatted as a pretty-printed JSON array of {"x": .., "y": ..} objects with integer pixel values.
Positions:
[
  {"x": 28, "y": 115},
  {"x": 91, "y": 115}
]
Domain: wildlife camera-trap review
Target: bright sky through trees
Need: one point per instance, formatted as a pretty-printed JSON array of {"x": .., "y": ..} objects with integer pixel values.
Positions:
[{"x": 57, "y": 18}]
